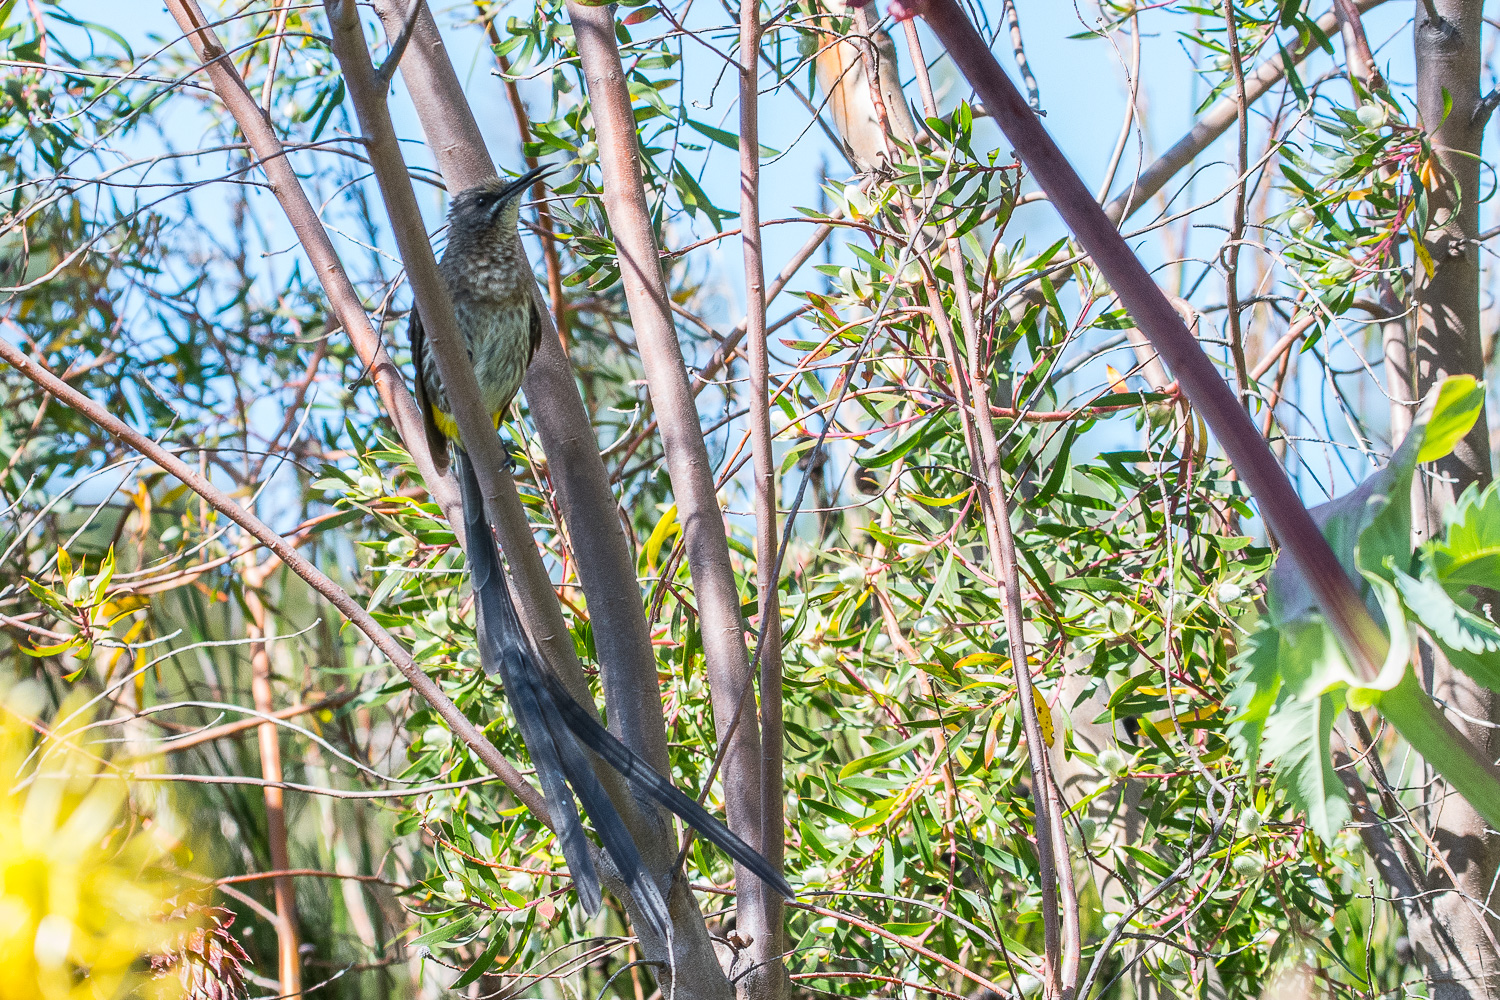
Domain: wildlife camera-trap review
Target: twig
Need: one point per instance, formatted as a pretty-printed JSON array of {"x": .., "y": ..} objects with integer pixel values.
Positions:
[
  {"x": 203, "y": 736},
  {"x": 1018, "y": 49},
  {"x": 546, "y": 230},
  {"x": 691, "y": 473},
  {"x": 1357, "y": 53},
  {"x": 1216, "y": 121},
  {"x": 1372, "y": 831},
  {"x": 1064, "y": 940},
  {"x": 278, "y": 36},
  {"x": 1231, "y": 251},
  {"x": 387, "y": 70}
]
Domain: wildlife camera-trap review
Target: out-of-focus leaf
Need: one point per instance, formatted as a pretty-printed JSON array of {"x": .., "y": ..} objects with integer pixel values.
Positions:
[{"x": 1297, "y": 739}]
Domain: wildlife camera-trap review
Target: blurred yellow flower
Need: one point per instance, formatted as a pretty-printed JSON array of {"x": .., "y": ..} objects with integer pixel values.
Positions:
[{"x": 83, "y": 890}]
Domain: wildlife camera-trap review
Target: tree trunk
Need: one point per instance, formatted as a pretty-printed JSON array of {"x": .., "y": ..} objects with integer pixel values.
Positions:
[{"x": 1452, "y": 942}]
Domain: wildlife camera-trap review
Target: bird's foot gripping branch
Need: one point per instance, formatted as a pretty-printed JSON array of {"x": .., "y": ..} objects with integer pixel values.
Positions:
[{"x": 1295, "y": 679}]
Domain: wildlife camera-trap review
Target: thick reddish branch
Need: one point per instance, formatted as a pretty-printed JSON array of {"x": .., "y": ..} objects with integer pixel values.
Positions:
[{"x": 1282, "y": 508}]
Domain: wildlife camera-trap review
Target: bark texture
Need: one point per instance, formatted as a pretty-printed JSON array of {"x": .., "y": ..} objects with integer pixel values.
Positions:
[{"x": 1452, "y": 942}]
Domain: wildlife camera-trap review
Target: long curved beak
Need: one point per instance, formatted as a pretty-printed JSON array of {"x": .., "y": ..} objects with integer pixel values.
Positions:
[{"x": 521, "y": 183}]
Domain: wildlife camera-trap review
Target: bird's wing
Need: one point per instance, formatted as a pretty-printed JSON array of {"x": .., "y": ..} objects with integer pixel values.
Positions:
[
  {"x": 534, "y": 334},
  {"x": 436, "y": 442}
]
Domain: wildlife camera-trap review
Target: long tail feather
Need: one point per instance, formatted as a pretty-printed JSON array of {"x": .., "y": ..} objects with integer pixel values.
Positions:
[
  {"x": 645, "y": 778},
  {"x": 539, "y": 698},
  {"x": 500, "y": 652},
  {"x": 616, "y": 838}
]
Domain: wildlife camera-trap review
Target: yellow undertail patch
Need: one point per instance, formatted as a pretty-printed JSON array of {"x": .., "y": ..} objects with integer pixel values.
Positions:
[{"x": 449, "y": 427}]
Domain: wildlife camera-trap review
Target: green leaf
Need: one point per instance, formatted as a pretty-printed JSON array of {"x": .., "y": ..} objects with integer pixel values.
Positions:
[
  {"x": 724, "y": 138},
  {"x": 1447, "y": 620},
  {"x": 718, "y": 135},
  {"x": 334, "y": 101},
  {"x": 1460, "y": 398},
  {"x": 1472, "y": 643},
  {"x": 446, "y": 931},
  {"x": 874, "y": 760},
  {"x": 1468, "y": 554},
  {"x": 1256, "y": 686},
  {"x": 103, "y": 577}
]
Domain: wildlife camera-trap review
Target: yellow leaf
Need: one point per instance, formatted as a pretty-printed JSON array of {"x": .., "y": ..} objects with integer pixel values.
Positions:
[
  {"x": 982, "y": 659},
  {"x": 1165, "y": 726},
  {"x": 1043, "y": 716},
  {"x": 937, "y": 501},
  {"x": 664, "y": 529},
  {"x": 1423, "y": 255},
  {"x": 1427, "y": 174},
  {"x": 992, "y": 739},
  {"x": 113, "y": 610},
  {"x": 1116, "y": 380}
]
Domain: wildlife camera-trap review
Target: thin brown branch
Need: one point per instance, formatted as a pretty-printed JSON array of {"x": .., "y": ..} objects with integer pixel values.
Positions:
[
  {"x": 278, "y": 36},
  {"x": 1357, "y": 54},
  {"x": 1063, "y": 938},
  {"x": 288, "y": 957},
  {"x": 215, "y": 498},
  {"x": 688, "y": 465},
  {"x": 761, "y": 912},
  {"x": 1372, "y": 832},
  {"x": 1231, "y": 251}
]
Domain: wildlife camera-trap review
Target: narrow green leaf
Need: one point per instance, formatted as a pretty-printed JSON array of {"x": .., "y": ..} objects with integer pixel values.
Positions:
[{"x": 874, "y": 760}]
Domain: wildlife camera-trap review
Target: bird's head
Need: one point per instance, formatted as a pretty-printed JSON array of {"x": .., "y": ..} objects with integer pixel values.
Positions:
[{"x": 490, "y": 209}]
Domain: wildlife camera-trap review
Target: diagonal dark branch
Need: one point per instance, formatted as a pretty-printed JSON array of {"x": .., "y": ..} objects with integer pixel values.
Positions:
[{"x": 1285, "y": 515}]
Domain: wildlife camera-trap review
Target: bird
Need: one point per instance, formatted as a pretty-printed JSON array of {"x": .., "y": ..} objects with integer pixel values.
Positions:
[{"x": 489, "y": 278}]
